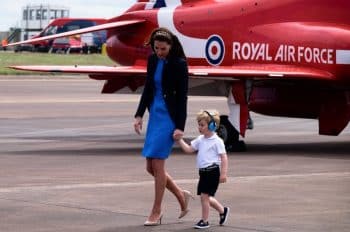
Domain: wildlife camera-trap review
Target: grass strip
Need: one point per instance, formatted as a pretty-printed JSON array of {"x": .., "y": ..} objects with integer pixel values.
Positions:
[{"x": 29, "y": 58}]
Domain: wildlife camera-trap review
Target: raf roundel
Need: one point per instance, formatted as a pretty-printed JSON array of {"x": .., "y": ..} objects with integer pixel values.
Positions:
[{"x": 215, "y": 50}]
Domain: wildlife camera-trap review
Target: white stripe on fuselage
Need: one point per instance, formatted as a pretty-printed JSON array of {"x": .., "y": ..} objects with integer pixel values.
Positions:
[
  {"x": 194, "y": 48},
  {"x": 149, "y": 5},
  {"x": 342, "y": 56}
]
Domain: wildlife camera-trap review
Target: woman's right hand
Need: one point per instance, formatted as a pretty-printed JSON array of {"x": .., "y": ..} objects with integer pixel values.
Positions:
[{"x": 138, "y": 125}]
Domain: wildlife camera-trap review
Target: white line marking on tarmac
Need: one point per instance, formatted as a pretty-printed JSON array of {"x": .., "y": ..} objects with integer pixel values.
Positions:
[
  {"x": 109, "y": 99},
  {"x": 44, "y": 101},
  {"x": 69, "y": 130},
  {"x": 180, "y": 181}
]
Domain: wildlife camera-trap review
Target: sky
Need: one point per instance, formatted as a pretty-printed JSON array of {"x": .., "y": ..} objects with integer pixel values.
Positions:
[{"x": 11, "y": 12}]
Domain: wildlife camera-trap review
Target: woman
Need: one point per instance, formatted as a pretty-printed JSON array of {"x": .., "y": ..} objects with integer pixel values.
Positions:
[{"x": 165, "y": 97}]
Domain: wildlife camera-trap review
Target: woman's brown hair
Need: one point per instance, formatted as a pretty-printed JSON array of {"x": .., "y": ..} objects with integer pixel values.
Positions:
[{"x": 164, "y": 35}]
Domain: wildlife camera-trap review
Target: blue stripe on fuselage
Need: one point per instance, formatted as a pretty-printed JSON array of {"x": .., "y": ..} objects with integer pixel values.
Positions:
[{"x": 159, "y": 4}]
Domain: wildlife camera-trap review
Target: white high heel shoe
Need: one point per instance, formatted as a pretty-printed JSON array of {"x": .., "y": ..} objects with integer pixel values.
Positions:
[
  {"x": 187, "y": 195},
  {"x": 154, "y": 223}
]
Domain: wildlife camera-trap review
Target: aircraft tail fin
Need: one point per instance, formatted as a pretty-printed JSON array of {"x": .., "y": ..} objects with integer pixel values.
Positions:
[{"x": 154, "y": 4}]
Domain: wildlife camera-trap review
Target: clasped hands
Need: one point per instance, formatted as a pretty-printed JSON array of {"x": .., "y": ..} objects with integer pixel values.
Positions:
[{"x": 177, "y": 135}]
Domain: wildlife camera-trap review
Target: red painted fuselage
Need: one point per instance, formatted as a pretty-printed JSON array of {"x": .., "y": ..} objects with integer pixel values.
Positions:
[
  {"x": 274, "y": 34},
  {"x": 305, "y": 33}
]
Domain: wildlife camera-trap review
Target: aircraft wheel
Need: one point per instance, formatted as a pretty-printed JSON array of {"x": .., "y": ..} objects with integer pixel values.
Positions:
[
  {"x": 226, "y": 131},
  {"x": 230, "y": 135}
]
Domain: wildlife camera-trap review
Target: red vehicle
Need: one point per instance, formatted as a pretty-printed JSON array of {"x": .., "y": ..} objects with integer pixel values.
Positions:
[
  {"x": 75, "y": 43},
  {"x": 67, "y": 44},
  {"x": 279, "y": 58}
]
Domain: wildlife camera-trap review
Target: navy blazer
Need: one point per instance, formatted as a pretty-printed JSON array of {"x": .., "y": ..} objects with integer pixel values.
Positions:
[{"x": 174, "y": 85}]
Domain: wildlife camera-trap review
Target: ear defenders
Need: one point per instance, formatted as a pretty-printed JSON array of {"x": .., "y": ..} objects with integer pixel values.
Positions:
[{"x": 212, "y": 123}]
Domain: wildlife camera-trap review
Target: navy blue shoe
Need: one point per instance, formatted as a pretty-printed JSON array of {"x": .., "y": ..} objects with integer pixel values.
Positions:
[
  {"x": 201, "y": 225},
  {"x": 224, "y": 216}
]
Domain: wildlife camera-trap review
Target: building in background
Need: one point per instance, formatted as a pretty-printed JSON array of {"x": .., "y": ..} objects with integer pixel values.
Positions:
[
  {"x": 4, "y": 35},
  {"x": 36, "y": 17}
]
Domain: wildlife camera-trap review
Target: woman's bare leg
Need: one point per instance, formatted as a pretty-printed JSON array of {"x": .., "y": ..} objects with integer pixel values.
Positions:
[
  {"x": 160, "y": 180},
  {"x": 170, "y": 185},
  {"x": 176, "y": 190}
]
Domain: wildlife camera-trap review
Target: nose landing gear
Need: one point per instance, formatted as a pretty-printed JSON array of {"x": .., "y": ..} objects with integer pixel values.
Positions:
[{"x": 230, "y": 136}]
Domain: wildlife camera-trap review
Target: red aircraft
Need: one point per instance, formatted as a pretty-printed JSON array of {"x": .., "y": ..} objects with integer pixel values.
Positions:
[{"x": 280, "y": 58}]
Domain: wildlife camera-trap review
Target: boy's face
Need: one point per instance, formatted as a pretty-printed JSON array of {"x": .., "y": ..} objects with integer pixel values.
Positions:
[{"x": 203, "y": 127}]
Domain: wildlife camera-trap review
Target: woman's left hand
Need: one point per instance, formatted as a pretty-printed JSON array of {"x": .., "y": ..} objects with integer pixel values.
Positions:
[
  {"x": 178, "y": 134},
  {"x": 138, "y": 125}
]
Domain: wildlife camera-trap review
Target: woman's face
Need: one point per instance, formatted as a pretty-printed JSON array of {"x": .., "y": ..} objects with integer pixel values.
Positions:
[{"x": 161, "y": 48}]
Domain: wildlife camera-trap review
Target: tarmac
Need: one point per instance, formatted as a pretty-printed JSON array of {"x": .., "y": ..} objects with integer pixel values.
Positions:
[{"x": 70, "y": 161}]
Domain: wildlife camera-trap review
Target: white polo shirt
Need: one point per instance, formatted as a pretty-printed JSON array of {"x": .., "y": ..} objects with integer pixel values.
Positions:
[{"x": 209, "y": 150}]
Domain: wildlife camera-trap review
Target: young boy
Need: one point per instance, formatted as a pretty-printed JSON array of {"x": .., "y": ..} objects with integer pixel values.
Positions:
[{"x": 212, "y": 164}]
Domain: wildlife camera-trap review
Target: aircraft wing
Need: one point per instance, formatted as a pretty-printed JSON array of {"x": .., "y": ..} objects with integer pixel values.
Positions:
[
  {"x": 112, "y": 71},
  {"x": 82, "y": 31},
  {"x": 259, "y": 71},
  {"x": 201, "y": 72}
]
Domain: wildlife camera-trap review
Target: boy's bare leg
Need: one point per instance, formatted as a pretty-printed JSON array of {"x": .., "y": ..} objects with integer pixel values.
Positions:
[
  {"x": 216, "y": 205},
  {"x": 205, "y": 206}
]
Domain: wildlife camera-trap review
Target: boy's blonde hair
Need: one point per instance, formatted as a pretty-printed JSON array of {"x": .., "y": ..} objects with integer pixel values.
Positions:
[{"x": 203, "y": 115}]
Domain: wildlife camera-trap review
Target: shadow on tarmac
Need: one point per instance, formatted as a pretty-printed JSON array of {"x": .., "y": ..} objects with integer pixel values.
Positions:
[
  {"x": 331, "y": 149},
  {"x": 82, "y": 152},
  {"x": 339, "y": 150},
  {"x": 164, "y": 227},
  {"x": 190, "y": 229}
]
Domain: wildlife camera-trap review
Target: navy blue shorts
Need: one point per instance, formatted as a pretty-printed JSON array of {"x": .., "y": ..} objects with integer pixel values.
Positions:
[{"x": 208, "y": 181}]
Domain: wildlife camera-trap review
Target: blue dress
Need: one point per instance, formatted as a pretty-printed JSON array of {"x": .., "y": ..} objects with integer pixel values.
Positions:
[{"x": 159, "y": 135}]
